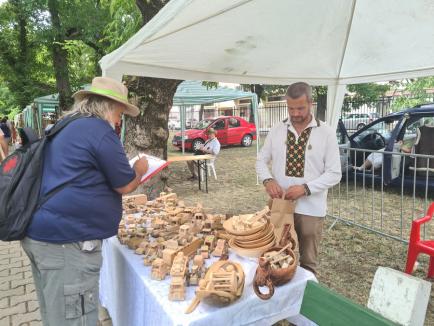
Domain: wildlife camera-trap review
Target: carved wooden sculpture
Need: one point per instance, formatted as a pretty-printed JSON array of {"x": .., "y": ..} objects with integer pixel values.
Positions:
[
  {"x": 277, "y": 266},
  {"x": 223, "y": 284}
]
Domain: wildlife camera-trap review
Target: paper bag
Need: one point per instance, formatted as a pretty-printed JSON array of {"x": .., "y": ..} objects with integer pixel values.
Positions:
[{"x": 282, "y": 214}]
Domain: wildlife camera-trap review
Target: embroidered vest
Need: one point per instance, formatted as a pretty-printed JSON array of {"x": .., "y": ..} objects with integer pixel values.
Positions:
[{"x": 295, "y": 153}]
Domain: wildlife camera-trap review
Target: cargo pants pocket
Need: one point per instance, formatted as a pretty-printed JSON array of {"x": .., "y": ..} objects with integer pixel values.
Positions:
[{"x": 80, "y": 299}]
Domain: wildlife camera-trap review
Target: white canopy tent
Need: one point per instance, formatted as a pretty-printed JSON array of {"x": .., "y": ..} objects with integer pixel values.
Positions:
[{"x": 333, "y": 43}]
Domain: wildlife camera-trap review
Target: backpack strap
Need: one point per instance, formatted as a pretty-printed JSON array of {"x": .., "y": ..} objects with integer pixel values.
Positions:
[
  {"x": 59, "y": 125},
  {"x": 51, "y": 133}
]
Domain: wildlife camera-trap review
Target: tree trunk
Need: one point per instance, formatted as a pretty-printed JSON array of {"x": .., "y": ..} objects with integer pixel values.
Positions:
[
  {"x": 201, "y": 111},
  {"x": 60, "y": 59},
  {"x": 148, "y": 132}
]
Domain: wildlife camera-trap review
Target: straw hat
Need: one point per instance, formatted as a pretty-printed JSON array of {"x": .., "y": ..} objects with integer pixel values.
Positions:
[{"x": 110, "y": 88}]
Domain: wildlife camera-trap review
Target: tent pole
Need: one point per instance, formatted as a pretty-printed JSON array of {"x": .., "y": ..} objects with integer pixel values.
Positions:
[
  {"x": 182, "y": 111},
  {"x": 255, "y": 118}
]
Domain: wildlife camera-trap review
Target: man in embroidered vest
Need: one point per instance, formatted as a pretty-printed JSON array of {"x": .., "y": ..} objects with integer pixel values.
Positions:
[{"x": 304, "y": 156}]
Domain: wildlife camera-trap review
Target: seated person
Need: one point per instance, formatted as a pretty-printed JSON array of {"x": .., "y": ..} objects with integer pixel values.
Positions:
[
  {"x": 375, "y": 160},
  {"x": 211, "y": 146}
]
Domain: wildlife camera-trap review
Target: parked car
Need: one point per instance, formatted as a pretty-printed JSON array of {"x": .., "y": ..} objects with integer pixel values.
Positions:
[
  {"x": 356, "y": 121},
  {"x": 384, "y": 133},
  {"x": 174, "y": 124},
  {"x": 230, "y": 131}
]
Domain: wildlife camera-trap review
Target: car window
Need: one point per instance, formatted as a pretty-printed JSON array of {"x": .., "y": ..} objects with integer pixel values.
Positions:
[
  {"x": 340, "y": 136},
  {"x": 234, "y": 123},
  {"x": 410, "y": 133},
  {"x": 203, "y": 124},
  {"x": 383, "y": 127},
  {"x": 219, "y": 124}
]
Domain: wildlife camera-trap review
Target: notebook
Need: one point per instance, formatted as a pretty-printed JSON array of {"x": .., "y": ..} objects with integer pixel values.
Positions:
[{"x": 156, "y": 164}]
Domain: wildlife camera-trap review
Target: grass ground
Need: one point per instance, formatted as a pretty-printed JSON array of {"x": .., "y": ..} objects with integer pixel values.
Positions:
[{"x": 349, "y": 255}]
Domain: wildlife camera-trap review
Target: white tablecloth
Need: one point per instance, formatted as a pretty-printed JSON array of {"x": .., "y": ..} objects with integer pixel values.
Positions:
[{"x": 132, "y": 298}]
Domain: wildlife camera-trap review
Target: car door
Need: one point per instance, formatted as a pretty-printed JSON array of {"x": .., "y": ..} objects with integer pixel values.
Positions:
[
  {"x": 235, "y": 131},
  {"x": 222, "y": 134},
  {"x": 408, "y": 135},
  {"x": 344, "y": 144}
]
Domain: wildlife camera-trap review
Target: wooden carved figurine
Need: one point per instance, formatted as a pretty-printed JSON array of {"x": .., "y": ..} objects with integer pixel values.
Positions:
[
  {"x": 159, "y": 269},
  {"x": 223, "y": 284},
  {"x": 178, "y": 273},
  {"x": 277, "y": 266}
]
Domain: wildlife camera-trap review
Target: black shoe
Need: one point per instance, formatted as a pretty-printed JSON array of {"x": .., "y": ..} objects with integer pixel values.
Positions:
[{"x": 192, "y": 178}]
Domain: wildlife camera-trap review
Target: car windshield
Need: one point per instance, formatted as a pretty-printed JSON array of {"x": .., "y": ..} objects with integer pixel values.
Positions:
[{"x": 203, "y": 124}]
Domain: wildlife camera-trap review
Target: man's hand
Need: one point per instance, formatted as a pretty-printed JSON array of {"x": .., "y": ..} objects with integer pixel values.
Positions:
[
  {"x": 295, "y": 192},
  {"x": 273, "y": 189}
]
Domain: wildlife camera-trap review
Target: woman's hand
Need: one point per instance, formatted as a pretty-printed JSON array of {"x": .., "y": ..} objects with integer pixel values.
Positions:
[{"x": 141, "y": 166}]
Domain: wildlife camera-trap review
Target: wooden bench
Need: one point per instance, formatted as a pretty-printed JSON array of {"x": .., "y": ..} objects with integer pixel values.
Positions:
[{"x": 327, "y": 308}]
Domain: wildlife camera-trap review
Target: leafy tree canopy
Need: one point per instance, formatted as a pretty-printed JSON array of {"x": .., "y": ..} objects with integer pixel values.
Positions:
[{"x": 414, "y": 93}]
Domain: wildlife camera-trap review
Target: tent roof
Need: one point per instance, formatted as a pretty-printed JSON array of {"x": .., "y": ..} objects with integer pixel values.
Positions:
[
  {"x": 192, "y": 92},
  {"x": 281, "y": 41},
  {"x": 52, "y": 98}
]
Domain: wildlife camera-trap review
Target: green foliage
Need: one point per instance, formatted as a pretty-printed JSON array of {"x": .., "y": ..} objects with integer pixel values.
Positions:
[
  {"x": 414, "y": 93},
  {"x": 367, "y": 93},
  {"x": 125, "y": 21},
  {"x": 361, "y": 94},
  {"x": 81, "y": 59},
  {"x": 210, "y": 85},
  {"x": 21, "y": 62},
  {"x": 7, "y": 100}
]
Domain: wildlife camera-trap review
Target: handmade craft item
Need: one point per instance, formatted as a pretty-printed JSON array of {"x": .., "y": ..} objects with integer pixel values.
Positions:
[
  {"x": 178, "y": 273},
  {"x": 197, "y": 270},
  {"x": 221, "y": 248},
  {"x": 223, "y": 284},
  {"x": 277, "y": 266},
  {"x": 159, "y": 269},
  {"x": 282, "y": 213}
]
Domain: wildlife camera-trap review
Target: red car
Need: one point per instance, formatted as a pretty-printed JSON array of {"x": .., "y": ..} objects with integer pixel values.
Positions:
[{"x": 230, "y": 131}]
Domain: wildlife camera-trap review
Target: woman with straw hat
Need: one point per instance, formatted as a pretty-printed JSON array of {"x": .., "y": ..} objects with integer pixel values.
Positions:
[{"x": 87, "y": 172}]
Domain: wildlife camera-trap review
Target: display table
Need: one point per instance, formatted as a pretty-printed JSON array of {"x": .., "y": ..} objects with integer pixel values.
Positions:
[
  {"x": 201, "y": 163},
  {"x": 132, "y": 298}
]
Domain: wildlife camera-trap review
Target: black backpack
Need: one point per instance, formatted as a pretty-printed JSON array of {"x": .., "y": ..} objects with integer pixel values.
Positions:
[
  {"x": 6, "y": 131},
  {"x": 20, "y": 183}
]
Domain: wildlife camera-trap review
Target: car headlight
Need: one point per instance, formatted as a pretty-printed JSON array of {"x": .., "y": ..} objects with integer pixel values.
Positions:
[{"x": 185, "y": 137}]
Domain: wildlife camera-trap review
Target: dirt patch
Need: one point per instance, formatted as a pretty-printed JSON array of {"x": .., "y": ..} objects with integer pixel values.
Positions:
[{"x": 349, "y": 256}]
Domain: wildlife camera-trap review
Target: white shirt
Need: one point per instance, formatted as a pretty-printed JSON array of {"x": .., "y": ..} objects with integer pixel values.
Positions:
[
  {"x": 212, "y": 145},
  {"x": 322, "y": 167}
]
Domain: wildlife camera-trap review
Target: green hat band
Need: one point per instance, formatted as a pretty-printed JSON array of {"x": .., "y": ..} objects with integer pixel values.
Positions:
[{"x": 108, "y": 92}]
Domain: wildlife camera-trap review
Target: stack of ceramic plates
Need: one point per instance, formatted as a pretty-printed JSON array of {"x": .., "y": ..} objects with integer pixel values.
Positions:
[{"x": 250, "y": 241}]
